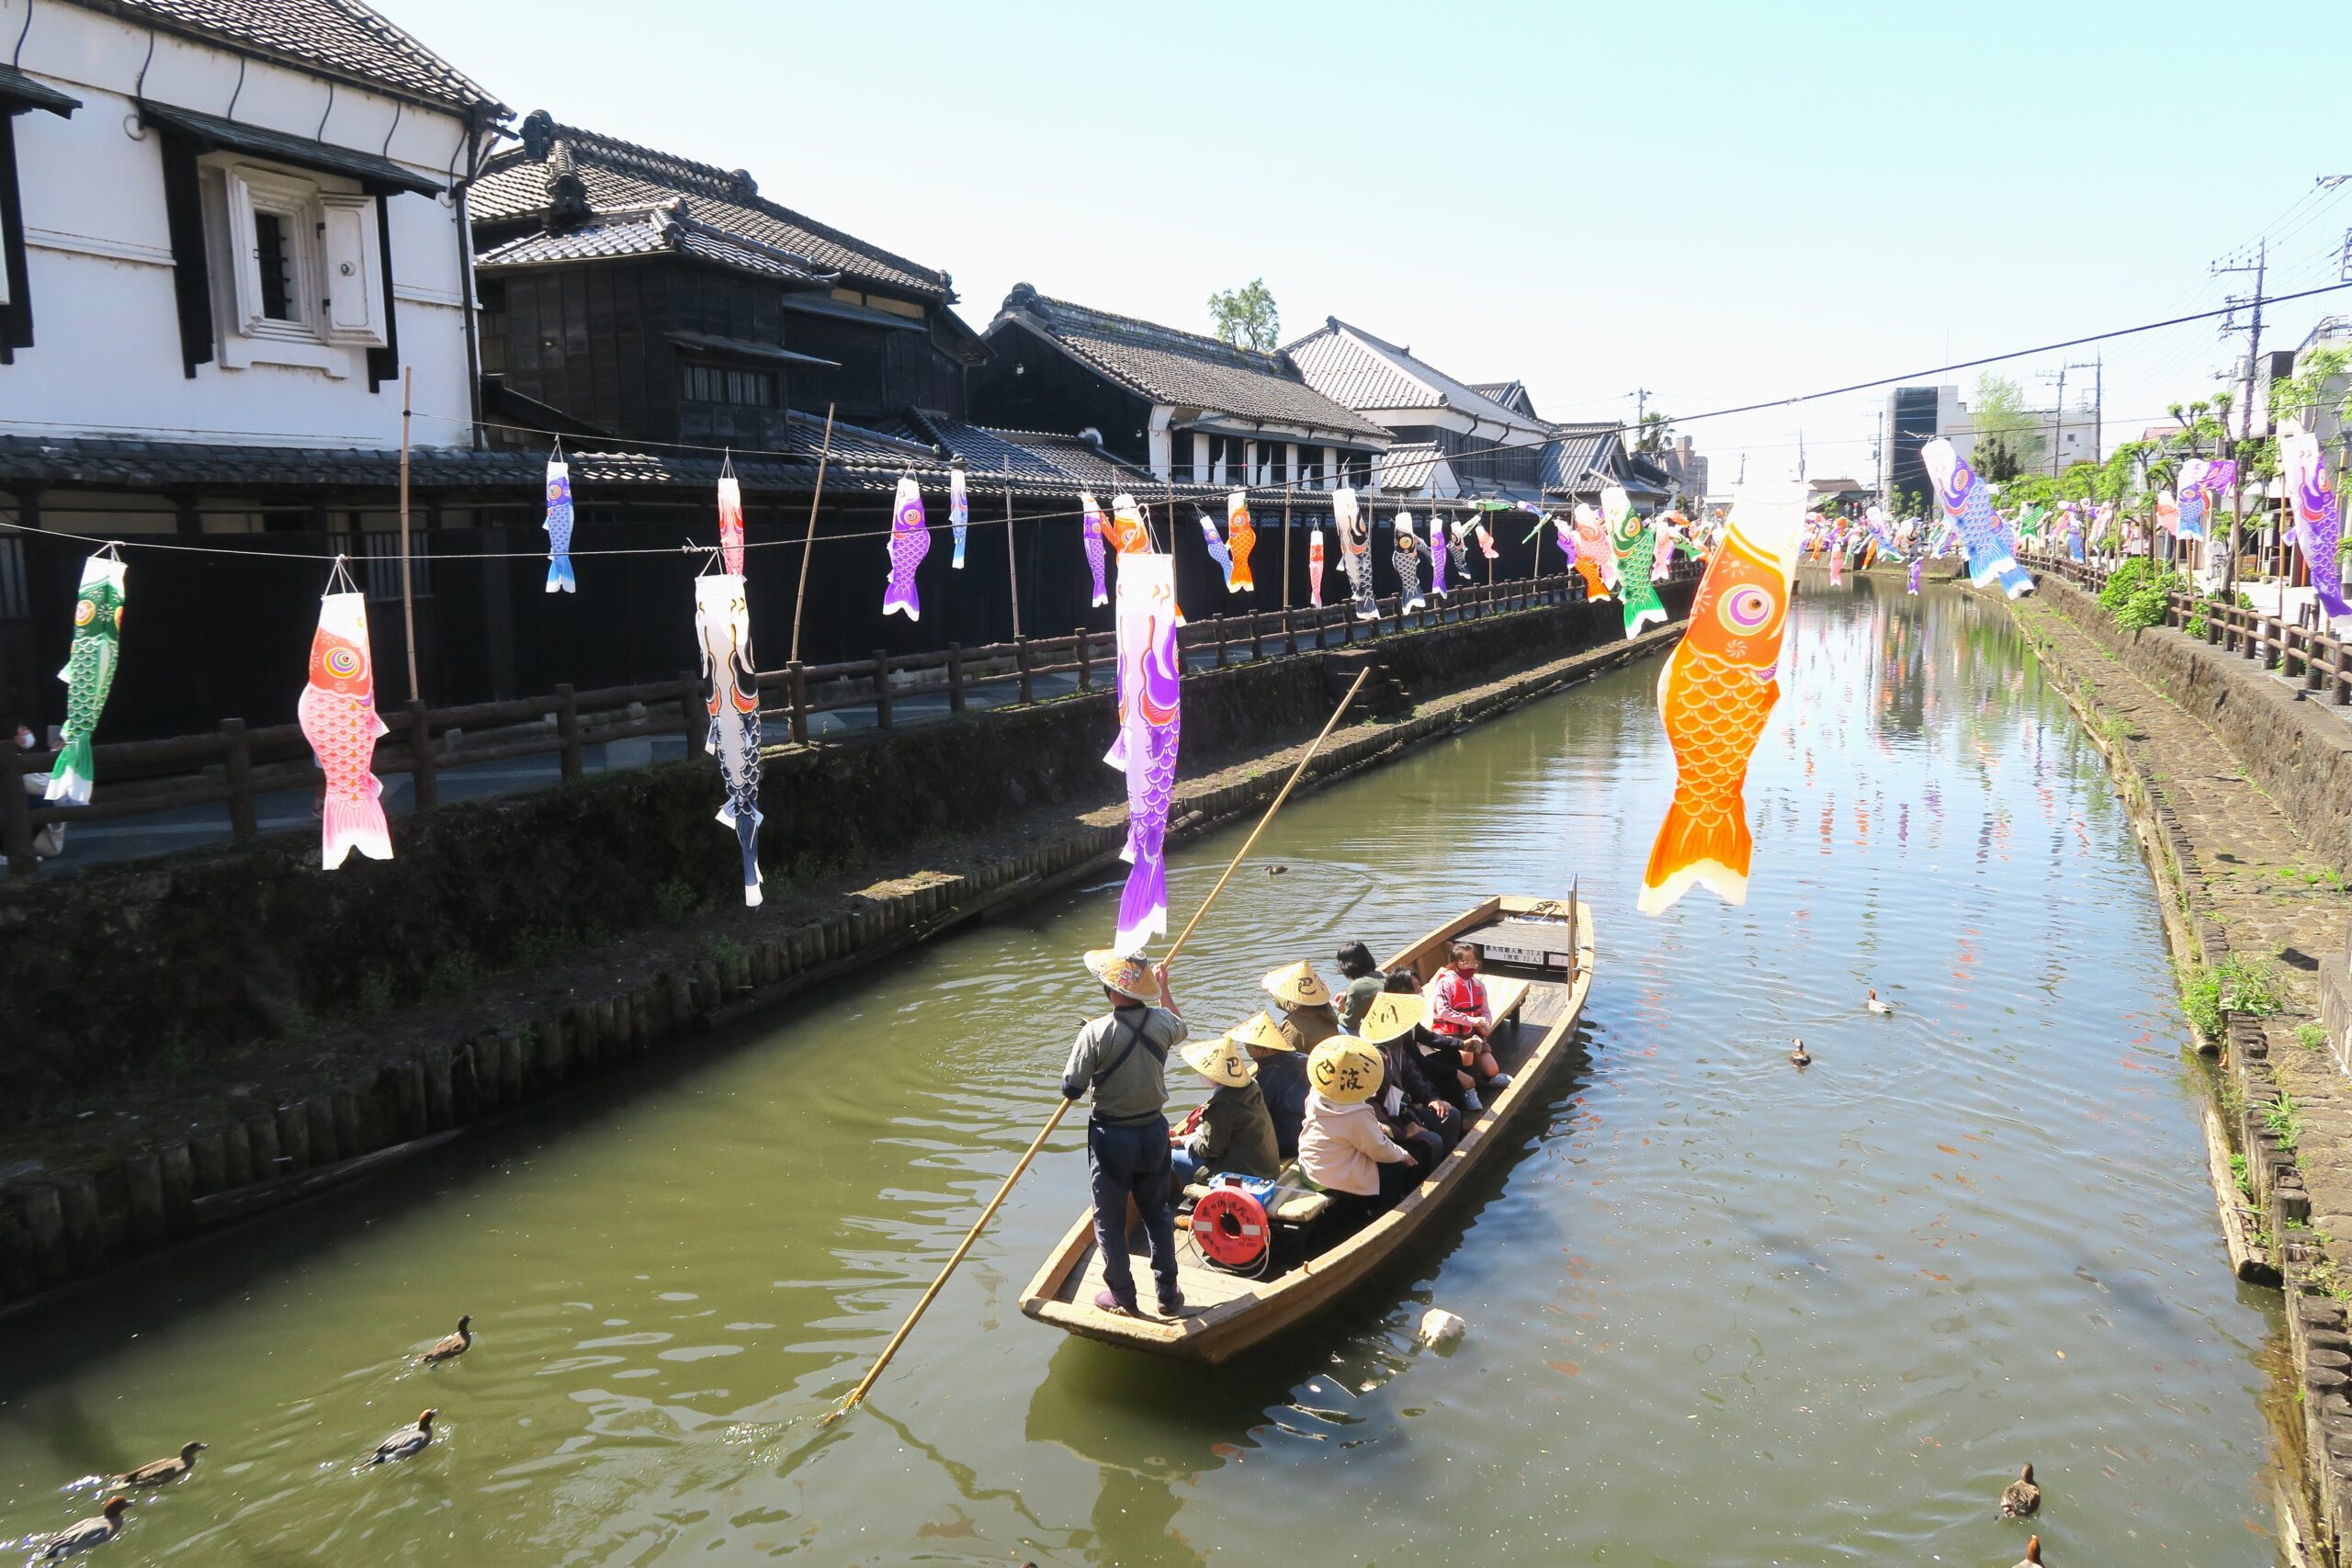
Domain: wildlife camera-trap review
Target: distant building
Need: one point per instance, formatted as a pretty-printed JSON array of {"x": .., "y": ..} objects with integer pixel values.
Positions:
[
  {"x": 1452, "y": 439},
  {"x": 1686, "y": 469},
  {"x": 1915, "y": 416},
  {"x": 1192, "y": 409}
]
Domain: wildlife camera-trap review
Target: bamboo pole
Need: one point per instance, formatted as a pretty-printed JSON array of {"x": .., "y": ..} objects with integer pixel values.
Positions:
[
  {"x": 408, "y": 585},
  {"x": 1285, "y": 546},
  {"x": 1062, "y": 1109},
  {"x": 1011, "y": 561},
  {"x": 809, "y": 544}
]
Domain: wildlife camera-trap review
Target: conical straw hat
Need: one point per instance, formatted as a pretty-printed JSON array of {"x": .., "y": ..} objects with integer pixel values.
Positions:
[
  {"x": 1124, "y": 973},
  {"x": 1220, "y": 1061},
  {"x": 1259, "y": 1031},
  {"x": 1392, "y": 1013},
  {"x": 1297, "y": 986},
  {"x": 1344, "y": 1070}
]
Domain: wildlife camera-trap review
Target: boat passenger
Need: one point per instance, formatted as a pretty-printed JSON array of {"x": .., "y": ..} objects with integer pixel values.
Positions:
[
  {"x": 1281, "y": 1076},
  {"x": 1121, "y": 1059},
  {"x": 1465, "y": 1018},
  {"x": 1232, "y": 1132},
  {"x": 1413, "y": 1062},
  {"x": 1403, "y": 1102},
  {"x": 1343, "y": 1150},
  {"x": 1364, "y": 981}
]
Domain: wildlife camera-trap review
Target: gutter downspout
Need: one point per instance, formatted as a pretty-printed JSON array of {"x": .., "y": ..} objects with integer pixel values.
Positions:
[{"x": 475, "y": 126}]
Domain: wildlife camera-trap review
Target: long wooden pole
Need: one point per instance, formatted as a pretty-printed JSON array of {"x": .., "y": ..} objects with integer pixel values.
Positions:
[
  {"x": 408, "y": 585},
  {"x": 1062, "y": 1109},
  {"x": 809, "y": 544},
  {"x": 1011, "y": 559}
]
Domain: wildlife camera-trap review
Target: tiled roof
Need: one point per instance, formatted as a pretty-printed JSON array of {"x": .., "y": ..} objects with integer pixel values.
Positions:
[
  {"x": 1186, "y": 369},
  {"x": 670, "y": 228},
  {"x": 333, "y": 38},
  {"x": 561, "y": 171},
  {"x": 1577, "y": 450},
  {"x": 1512, "y": 395},
  {"x": 1349, "y": 364},
  {"x": 1407, "y": 470},
  {"x": 1035, "y": 454}
]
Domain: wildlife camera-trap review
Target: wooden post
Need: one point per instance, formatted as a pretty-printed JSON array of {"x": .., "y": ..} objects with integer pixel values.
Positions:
[
  {"x": 408, "y": 591},
  {"x": 240, "y": 771},
  {"x": 567, "y": 728},
  {"x": 1286, "y": 556},
  {"x": 1257, "y": 636},
  {"x": 1085, "y": 661},
  {"x": 424, "y": 773},
  {"x": 1218, "y": 622},
  {"x": 955, "y": 677},
  {"x": 881, "y": 689},
  {"x": 1021, "y": 657},
  {"x": 15, "y": 816},
  {"x": 809, "y": 540},
  {"x": 1012, "y": 556}
]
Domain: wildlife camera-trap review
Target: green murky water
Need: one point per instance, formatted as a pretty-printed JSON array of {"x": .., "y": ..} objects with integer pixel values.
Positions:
[{"x": 1721, "y": 1311}]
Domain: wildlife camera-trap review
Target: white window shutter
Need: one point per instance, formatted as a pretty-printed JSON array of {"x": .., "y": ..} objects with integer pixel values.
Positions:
[
  {"x": 244, "y": 259},
  {"x": 355, "y": 290}
]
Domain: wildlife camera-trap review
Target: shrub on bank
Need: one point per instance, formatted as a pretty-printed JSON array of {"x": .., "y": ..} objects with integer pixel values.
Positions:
[{"x": 2136, "y": 592}]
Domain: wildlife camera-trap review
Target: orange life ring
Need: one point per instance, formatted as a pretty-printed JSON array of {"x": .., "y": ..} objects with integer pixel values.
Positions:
[{"x": 1229, "y": 1226}]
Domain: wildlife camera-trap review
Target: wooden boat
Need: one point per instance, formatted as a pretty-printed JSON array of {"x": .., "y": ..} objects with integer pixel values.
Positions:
[{"x": 1537, "y": 958}]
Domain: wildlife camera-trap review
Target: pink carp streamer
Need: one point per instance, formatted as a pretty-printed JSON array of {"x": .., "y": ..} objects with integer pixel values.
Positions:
[
  {"x": 2319, "y": 516},
  {"x": 731, "y": 523},
  {"x": 339, "y": 719},
  {"x": 1150, "y": 721},
  {"x": 1090, "y": 533},
  {"x": 1437, "y": 557},
  {"x": 910, "y": 542},
  {"x": 1315, "y": 568}
]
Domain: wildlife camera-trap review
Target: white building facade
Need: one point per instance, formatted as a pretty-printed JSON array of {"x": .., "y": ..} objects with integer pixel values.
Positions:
[{"x": 243, "y": 223}]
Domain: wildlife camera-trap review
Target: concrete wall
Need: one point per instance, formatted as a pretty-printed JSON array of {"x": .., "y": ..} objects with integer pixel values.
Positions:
[
  {"x": 2298, "y": 749},
  {"x": 106, "y": 355}
]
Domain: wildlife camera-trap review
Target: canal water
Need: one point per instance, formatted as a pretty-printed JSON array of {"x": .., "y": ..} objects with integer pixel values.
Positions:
[{"x": 1721, "y": 1311}]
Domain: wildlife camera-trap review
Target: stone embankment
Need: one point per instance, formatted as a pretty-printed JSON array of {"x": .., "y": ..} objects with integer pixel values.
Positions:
[
  {"x": 1006, "y": 808},
  {"x": 2239, "y": 791}
]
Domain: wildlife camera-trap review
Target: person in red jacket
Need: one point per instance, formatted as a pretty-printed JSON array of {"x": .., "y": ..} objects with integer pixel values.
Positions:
[{"x": 1464, "y": 1017}]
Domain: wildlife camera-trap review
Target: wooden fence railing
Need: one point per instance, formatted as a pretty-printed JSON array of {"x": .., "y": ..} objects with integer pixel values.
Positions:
[
  {"x": 233, "y": 765},
  {"x": 2298, "y": 651}
]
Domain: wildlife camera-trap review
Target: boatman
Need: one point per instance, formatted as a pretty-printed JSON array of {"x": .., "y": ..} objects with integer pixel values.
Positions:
[{"x": 1121, "y": 1059}]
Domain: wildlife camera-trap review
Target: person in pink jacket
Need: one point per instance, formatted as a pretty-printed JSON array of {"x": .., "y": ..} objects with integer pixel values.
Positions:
[{"x": 1342, "y": 1149}]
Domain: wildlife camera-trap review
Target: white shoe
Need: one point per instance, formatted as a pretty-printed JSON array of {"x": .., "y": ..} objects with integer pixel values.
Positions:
[
  {"x": 1470, "y": 1102},
  {"x": 1501, "y": 1080}
]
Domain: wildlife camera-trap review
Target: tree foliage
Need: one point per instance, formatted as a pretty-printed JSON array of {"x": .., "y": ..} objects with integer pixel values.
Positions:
[
  {"x": 2323, "y": 386},
  {"x": 1246, "y": 317},
  {"x": 1656, "y": 434},
  {"x": 2009, "y": 434}
]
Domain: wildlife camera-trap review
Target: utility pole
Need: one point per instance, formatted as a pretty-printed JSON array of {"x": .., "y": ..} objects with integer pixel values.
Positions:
[
  {"x": 2058, "y": 417},
  {"x": 2098, "y": 408},
  {"x": 2245, "y": 423}
]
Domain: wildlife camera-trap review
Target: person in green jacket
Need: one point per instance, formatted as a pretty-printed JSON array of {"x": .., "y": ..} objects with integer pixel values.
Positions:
[
  {"x": 1234, "y": 1130},
  {"x": 1365, "y": 983}
]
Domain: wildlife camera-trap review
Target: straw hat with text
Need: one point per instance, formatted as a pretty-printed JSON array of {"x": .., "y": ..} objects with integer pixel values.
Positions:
[{"x": 1297, "y": 986}]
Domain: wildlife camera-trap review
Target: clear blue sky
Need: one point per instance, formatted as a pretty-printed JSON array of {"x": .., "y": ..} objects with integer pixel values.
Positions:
[{"x": 1724, "y": 203}]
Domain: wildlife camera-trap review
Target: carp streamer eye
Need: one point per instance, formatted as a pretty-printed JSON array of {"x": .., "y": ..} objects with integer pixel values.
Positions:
[
  {"x": 343, "y": 663},
  {"x": 84, "y": 612},
  {"x": 1746, "y": 611}
]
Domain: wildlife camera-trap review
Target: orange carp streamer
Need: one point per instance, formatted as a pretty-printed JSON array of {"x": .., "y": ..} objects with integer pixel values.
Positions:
[{"x": 1715, "y": 694}]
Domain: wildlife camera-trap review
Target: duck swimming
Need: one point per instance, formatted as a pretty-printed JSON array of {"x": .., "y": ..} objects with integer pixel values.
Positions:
[
  {"x": 406, "y": 1443},
  {"x": 2022, "y": 1496},
  {"x": 1801, "y": 1057},
  {"x": 75, "y": 1539},
  {"x": 1884, "y": 1010},
  {"x": 2032, "y": 1558},
  {"x": 454, "y": 1344},
  {"x": 161, "y": 1470}
]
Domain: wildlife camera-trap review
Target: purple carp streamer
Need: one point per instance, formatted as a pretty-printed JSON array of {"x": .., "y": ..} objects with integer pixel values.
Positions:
[
  {"x": 558, "y": 528},
  {"x": 1217, "y": 552},
  {"x": 731, "y": 696},
  {"x": 1150, "y": 720},
  {"x": 910, "y": 542},
  {"x": 1970, "y": 509},
  {"x": 2202, "y": 480},
  {"x": 959, "y": 515},
  {"x": 2319, "y": 516},
  {"x": 1090, "y": 533}
]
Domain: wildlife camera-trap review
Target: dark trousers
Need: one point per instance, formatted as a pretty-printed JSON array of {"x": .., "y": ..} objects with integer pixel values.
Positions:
[{"x": 1132, "y": 1162}]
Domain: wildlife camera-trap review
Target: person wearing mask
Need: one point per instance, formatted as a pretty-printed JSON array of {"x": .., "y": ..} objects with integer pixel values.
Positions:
[
  {"x": 1121, "y": 1060},
  {"x": 1282, "y": 1077},
  {"x": 1364, "y": 981},
  {"x": 1464, "y": 1019},
  {"x": 1232, "y": 1132},
  {"x": 1343, "y": 1150}
]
